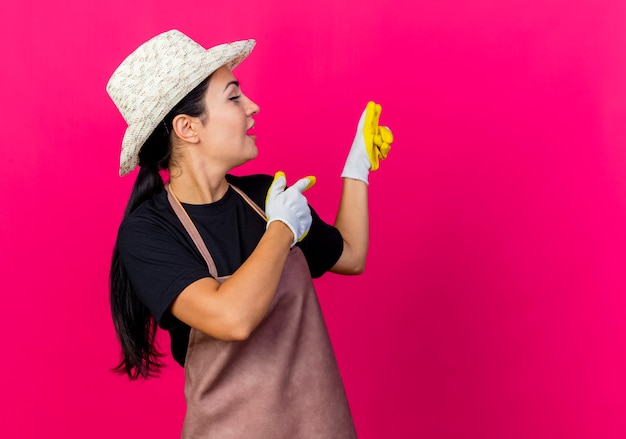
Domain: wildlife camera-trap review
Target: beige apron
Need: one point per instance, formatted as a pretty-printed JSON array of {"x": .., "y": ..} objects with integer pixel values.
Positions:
[{"x": 282, "y": 382}]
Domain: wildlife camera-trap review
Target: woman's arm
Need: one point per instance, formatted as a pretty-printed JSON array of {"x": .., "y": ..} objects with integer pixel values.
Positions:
[
  {"x": 231, "y": 310},
  {"x": 371, "y": 143},
  {"x": 353, "y": 223}
]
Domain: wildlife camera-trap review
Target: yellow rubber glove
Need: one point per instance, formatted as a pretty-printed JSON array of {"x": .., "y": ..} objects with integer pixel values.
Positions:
[
  {"x": 289, "y": 205},
  {"x": 371, "y": 144}
]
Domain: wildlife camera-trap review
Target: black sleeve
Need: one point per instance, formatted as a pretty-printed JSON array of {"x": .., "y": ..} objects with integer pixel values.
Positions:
[
  {"x": 322, "y": 246},
  {"x": 159, "y": 264}
]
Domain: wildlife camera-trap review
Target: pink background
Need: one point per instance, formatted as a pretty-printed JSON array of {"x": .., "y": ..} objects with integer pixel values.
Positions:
[{"x": 493, "y": 305}]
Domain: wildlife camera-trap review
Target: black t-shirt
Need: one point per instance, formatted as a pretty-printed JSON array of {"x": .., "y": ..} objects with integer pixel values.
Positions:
[{"x": 162, "y": 260}]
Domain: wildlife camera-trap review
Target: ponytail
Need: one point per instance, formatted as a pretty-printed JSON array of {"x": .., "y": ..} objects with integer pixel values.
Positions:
[{"x": 134, "y": 325}]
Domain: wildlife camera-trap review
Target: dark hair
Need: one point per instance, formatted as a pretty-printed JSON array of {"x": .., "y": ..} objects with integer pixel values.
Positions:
[{"x": 135, "y": 326}]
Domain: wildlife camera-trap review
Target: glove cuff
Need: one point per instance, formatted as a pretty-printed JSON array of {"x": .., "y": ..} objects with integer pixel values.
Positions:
[
  {"x": 293, "y": 231},
  {"x": 356, "y": 168},
  {"x": 348, "y": 173}
]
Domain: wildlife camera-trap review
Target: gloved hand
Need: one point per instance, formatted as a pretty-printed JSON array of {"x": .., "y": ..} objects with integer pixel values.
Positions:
[
  {"x": 371, "y": 144},
  {"x": 289, "y": 206}
]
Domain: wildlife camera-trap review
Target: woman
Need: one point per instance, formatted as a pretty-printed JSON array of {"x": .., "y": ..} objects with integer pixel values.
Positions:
[{"x": 224, "y": 263}]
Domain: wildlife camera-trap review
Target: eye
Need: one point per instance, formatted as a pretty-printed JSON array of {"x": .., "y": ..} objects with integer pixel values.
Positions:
[{"x": 234, "y": 98}]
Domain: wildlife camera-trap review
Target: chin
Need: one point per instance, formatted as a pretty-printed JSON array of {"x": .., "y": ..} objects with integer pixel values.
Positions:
[
  {"x": 251, "y": 156},
  {"x": 254, "y": 153}
]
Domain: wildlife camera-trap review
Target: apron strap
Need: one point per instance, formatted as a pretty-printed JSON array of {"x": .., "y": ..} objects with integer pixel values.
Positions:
[
  {"x": 182, "y": 215},
  {"x": 191, "y": 229}
]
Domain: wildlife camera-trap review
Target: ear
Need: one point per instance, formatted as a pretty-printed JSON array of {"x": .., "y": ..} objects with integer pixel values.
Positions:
[{"x": 185, "y": 128}]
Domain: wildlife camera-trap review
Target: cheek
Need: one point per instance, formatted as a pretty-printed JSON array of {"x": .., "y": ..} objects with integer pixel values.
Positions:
[
  {"x": 220, "y": 130},
  {"x": 230, "y": 124}
]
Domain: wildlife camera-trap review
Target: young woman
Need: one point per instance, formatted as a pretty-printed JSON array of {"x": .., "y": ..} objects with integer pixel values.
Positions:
[{"x": 225, "y": 263}]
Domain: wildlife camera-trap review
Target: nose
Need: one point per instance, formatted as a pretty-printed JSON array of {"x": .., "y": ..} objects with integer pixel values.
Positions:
[{"x": 252, "y": 107}]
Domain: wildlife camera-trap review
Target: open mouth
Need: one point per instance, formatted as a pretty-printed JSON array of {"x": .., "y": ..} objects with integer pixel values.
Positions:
[{"x": 250, "y": 132}]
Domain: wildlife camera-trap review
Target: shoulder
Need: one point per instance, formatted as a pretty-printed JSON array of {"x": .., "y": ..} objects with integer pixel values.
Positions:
[
  {"x": 153, "y": 217},
  {"x": 157, "y": 254},
  {"x": 153, "y": 210}
]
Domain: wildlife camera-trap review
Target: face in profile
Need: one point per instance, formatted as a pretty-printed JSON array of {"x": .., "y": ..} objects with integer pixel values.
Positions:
[{"x": 227, "y": 135}]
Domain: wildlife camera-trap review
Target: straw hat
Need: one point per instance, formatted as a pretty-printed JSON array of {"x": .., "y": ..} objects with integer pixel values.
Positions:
[{"x": 157, "y": 76}]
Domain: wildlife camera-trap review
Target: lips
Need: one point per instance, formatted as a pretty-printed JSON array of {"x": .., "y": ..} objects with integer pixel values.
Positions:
[{"x": 250, "y": 131}]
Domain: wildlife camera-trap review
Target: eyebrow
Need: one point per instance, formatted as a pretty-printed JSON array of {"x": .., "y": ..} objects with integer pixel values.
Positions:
[{"x": 235, "y": 83}]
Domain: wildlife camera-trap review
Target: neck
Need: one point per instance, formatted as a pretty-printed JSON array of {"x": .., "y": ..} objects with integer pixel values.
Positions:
[{"x": 194, "y": 185}]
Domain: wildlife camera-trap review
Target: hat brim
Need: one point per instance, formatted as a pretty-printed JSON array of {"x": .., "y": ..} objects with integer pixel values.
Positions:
[{"x": 137, "y": 133}]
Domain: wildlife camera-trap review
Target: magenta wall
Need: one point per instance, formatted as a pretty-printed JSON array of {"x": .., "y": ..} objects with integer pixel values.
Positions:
[{"x": 493, "y": 305}]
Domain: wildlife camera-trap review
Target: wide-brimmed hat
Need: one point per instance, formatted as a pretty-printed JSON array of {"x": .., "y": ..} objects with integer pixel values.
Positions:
[{"x": 157, "y": 76}]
